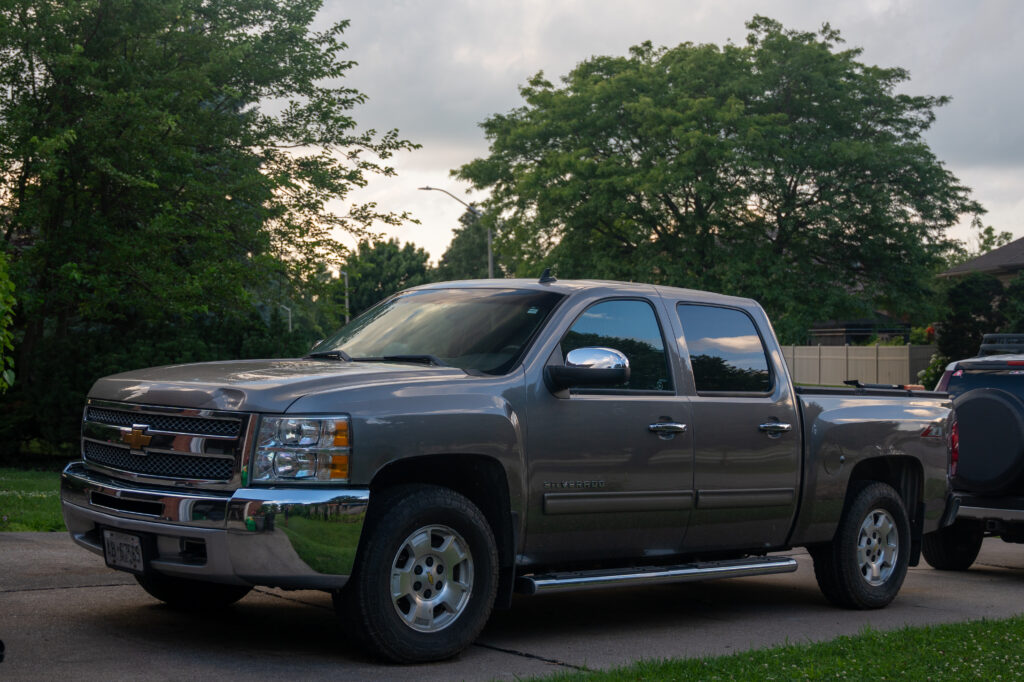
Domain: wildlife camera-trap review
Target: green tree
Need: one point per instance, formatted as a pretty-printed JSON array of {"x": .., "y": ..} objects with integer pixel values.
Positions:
[
  {"x": 6, "y": 317},
  {"x": 150, "y": 198},
  {"x": 380, "y": 268},
  {"x": 974, "y": 308},
  {"x": 782, "y": 169},
  {"x": 1012, "y": 306},
  {"x": 466, "y": 255},
  {"x": 985, "y": 239}
]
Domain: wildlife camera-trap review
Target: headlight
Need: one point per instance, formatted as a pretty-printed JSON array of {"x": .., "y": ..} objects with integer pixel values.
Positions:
[{"x": 292, "y": 449}]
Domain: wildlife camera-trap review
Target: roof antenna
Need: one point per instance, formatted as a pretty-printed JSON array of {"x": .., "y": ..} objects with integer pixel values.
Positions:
[{"x": 546, "y": 277}]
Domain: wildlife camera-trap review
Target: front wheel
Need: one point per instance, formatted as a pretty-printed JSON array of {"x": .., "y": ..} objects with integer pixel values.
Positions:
[
  {"x": 955, "y": 547},
  {"x": 865, "y": 564},
  {"x": 191, "y": 595},
  {"x": 426, "y": 577}
]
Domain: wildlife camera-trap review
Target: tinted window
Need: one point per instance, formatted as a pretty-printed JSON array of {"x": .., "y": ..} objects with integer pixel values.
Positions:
[
  {"x": 629, "y": 327},
  {"x": 477, "y": 329},
  {"x": 1009, "y": 379},
  {"x": 726, "y": 352}
]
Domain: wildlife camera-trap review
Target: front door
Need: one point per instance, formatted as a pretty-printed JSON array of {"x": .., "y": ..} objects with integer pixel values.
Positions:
[{"x": 610, "y": 471}]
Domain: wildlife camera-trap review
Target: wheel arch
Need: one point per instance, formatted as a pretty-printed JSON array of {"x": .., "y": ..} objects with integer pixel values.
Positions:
[
  {"x": 906, "y": 476},
  {"x": 479, "y": 478}
]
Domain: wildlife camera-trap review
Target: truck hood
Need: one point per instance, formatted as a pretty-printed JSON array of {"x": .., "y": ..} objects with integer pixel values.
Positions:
[{"x": 257, "y": 385}]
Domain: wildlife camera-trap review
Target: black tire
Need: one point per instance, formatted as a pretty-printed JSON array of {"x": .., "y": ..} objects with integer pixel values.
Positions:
[
  {"x": 865, "y": 564},
  {"x": 191, "y": 595},
  {"x": 438, "y": 550},
  {"x": 955, "y": 547},
  {"x": 990, "y": 423}
]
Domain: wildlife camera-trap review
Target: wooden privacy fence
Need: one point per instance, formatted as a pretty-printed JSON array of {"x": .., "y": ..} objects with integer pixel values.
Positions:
[{"x": 832, "y": 365}]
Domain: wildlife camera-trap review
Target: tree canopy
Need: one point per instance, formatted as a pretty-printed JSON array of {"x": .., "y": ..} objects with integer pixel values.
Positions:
[
  {"x": 165, "y": 168},
  {"x": 6, "y": 318},
  {"x": 974, "y": 307},
  {"x": 380, "y": 268},
  {"x": 466, "y": 255},
  {"x": 782, "y": 169}
]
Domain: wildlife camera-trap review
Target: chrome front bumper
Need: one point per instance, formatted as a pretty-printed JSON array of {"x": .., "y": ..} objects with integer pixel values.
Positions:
[{"x": 281, "y": 537}]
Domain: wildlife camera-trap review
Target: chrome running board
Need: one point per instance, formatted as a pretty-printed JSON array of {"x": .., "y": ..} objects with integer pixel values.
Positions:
[{"x": 653, "y": 575}]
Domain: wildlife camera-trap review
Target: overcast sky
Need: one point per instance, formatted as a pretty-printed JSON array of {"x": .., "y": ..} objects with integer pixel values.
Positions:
[{"x": 436, "y": 69}]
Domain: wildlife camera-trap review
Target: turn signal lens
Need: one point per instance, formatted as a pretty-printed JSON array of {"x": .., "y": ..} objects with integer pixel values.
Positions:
[
  {"x": 341, "y": 434},
  {"x": 339, "y": 467}
]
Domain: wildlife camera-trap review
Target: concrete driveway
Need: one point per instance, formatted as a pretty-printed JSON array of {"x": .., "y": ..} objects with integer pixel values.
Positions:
[{"x": 64, "y": 615}]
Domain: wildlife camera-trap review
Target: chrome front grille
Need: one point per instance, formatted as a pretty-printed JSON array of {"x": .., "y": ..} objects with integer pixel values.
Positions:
[
  {"x": 228, "y": 428},
  {"x": 166, "y": 446},
  {"x": 159, "y": 463}
]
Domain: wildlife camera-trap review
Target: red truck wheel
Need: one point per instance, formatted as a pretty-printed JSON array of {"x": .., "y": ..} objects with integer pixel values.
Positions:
[
  {"x": 865, "y": 564},
  {"x": 425, "y": 580}
]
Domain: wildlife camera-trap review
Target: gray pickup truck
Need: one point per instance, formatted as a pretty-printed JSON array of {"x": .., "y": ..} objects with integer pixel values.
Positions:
[{"x": 461, "y": 442}]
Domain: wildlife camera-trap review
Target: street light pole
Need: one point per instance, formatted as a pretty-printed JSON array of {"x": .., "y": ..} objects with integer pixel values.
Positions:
[
  {"x": 289, "y": 316},
  {"x": 345, "y": 273},
  {"x": 476, "y": 212}
]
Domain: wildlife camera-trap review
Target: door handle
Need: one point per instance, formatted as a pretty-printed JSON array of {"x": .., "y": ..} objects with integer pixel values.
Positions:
[
  {"x": 667, "y": 427},
  {"x": 775, "y": 428}
]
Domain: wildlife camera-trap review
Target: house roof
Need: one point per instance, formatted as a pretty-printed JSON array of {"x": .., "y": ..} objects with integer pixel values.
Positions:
[{"x": 1005, "y": 259}]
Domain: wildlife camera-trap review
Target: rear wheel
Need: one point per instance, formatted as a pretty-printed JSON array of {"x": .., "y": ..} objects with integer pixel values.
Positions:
[
  {"x": 865, "y": 564},
  {"x": 191, "y": 595},
  {"x": 955, "y": 547},
  {"x": 425, "y": 579}
]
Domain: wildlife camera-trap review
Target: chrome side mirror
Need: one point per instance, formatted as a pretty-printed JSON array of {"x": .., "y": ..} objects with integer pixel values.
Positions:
[{"x": 591, "y": 366}]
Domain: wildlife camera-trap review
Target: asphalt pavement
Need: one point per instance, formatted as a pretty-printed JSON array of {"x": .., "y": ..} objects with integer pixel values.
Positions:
[{"x": 64, "y": 615}]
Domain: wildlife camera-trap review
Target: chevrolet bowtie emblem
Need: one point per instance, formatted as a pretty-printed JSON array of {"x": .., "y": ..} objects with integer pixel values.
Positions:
[{"x": 135, "y": 436}]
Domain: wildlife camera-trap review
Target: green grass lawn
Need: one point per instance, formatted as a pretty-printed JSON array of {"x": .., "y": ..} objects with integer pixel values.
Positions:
[
  {"x": 980, "y": 650},
  {"x": 30, "y": 501}
]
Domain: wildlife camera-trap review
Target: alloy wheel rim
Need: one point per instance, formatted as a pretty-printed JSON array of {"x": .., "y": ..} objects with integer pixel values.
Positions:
[
  {"x": 878, "y": 544},
  {"x": 431, "y": 578}
]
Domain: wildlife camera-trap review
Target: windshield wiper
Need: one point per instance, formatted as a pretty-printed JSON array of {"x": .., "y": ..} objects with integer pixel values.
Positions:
[
  {"x": 331, "y": 355},
  {"x": 424, "y": 358}
]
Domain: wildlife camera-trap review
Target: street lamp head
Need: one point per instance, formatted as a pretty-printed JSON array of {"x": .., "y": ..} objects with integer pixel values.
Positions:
[{"x": 479, "y": 215}]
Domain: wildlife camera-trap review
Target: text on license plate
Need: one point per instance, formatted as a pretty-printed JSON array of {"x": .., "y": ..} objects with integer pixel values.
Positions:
[{"x": 123, "y": 550}]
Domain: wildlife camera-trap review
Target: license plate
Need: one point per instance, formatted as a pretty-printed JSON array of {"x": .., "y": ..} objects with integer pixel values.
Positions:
[{"x": 123, "y": 551}]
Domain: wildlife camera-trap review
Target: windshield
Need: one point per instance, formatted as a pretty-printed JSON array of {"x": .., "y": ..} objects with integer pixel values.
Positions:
[{"x": 474, "y": 329}]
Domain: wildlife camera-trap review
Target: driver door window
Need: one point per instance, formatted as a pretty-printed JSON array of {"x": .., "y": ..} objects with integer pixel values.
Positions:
[{"x": 630, "y": 327}]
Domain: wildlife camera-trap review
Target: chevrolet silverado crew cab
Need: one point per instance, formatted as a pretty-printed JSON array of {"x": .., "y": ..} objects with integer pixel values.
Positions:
[
  {"x": 988, "y": 476},
  {"x": 461, "y": 442}
]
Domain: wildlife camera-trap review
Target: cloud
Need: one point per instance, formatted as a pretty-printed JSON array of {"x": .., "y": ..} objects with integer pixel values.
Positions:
[
  {"x": 436, "y": 70},
  {"x": 727, "y": 345}
]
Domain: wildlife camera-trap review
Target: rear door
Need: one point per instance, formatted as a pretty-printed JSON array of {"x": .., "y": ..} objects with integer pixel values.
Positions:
[{"x": 745, "y": 430}]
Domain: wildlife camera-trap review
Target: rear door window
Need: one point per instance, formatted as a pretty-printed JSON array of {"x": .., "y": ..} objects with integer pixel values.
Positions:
[{"x": 727, "y": 354}]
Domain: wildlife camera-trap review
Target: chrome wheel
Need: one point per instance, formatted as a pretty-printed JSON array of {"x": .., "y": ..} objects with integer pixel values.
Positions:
[
  {"x": 431, "y": 578},
  {"x": 878, "y": 544}
]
